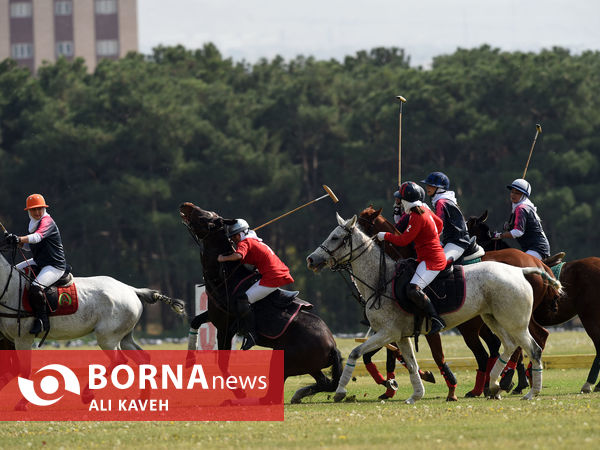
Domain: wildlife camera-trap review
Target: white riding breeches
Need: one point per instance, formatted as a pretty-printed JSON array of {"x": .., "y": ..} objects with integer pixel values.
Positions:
[
  {"x": 47, "y": 276},
  {"x": 453, "y": 251},
  {"x": 257, "y": 292},
  {"x": 422, "y": 276},
  {"x": 534, "y": 253}
]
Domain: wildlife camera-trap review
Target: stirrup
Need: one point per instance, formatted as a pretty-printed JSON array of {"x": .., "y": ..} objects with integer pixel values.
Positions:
[
  {"x": 38, "y": 326},
  {"x": 249, "y": 342},
  {"x": 437, "y": 325}
]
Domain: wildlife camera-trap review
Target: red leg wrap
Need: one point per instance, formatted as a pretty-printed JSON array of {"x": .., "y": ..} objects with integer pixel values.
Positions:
[{"x": 372, "y": 369}]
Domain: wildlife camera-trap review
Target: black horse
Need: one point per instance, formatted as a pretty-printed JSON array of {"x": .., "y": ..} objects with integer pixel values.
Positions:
[{"x": 307, "y": 341}]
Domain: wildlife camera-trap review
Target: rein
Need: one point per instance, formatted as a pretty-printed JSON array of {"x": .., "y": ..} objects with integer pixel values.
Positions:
[{"x": 346, "y": 266}]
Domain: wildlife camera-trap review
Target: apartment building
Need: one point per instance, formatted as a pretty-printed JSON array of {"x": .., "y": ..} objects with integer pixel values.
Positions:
[{"x": 33, "y": 31}]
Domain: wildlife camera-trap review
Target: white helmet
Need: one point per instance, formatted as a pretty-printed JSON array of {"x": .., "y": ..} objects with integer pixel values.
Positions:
[
  {"x": 239, "y": 226},
  {"x": 520, "y": 185}
]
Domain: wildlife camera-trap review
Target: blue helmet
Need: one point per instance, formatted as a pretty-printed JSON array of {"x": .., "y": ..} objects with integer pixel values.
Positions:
[
  {"x": 437, "y": 179},
  {"x": 520, "y": 185}
]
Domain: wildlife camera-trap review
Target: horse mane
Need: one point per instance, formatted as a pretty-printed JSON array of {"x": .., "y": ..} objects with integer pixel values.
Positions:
[{"x": 371, "y": 222}]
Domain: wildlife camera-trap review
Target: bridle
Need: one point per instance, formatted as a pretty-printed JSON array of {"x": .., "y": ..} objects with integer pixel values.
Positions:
[{"x": 344, "y": 264}]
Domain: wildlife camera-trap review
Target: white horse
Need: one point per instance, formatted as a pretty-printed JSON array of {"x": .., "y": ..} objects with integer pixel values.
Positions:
[
  {"x": 499, "y": 293},
  {"x": 107, "y": 307}
]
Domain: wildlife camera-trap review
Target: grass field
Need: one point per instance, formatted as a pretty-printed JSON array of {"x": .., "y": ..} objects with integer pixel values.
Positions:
[{"x": 558, "y": 418}]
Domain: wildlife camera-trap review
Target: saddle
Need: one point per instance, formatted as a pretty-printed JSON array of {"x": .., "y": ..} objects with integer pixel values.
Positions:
[
  {"x": 61, "y": 296},
  {"x": 275, "y": 312},
  {"x": 447, "y": 291},
  {"x": 554, "y": 260}
]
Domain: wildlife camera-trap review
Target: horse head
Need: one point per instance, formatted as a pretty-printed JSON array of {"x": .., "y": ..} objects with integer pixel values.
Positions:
[
  {"x": 372, "y": 222},
  {"x": 337, "y": 249},
  {"x": 478, "y": 228}
]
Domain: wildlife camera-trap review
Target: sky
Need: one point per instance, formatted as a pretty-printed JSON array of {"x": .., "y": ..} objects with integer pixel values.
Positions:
[{"x": 253, "y": 29}]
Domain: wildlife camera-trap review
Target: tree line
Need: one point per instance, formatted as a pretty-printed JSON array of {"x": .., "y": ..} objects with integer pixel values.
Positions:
[{"x": 116, "y": 151}]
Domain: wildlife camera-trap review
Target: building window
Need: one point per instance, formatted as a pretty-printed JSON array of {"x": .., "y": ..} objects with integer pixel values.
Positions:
[
  {"x": 20, "y": 9},
  {"x": 107, "y": 48},
  {"x": 64, "y": 48},
  {"x": 106, "y": 6},
  {"x": 21, "y": 51},
  {"x": 63, "y": 8}
]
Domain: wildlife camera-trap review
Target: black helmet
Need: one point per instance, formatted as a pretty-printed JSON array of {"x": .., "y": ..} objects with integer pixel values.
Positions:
[
  {"x": 418, "y": 187},
  {"x": 410, "y": 191},
  {"x": 437, "y": 179}
]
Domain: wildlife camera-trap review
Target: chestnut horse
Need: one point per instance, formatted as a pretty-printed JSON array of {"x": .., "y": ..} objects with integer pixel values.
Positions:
[
  {"x": 308, "y": 342},
  {"x": 372, "y": 221},
  {"x": 580, "y": 279}
]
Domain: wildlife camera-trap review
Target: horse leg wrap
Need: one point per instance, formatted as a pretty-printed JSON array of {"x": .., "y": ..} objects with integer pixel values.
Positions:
[
  {"x": 372, "y": 369},
  {"x": 593, "y": 375},
  {"x": 448, "y": 375},
  {"x": 506, "y": 376},
  {"x": 479, "y": 384},
  {"x": 193, "y": 339}
]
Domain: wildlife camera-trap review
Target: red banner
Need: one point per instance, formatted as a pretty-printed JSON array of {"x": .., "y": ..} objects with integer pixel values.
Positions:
[{"x": 142, "y": 385}]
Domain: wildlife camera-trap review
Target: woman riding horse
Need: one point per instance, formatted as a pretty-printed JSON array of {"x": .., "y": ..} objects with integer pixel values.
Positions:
[{"x": 45, "y": 244}]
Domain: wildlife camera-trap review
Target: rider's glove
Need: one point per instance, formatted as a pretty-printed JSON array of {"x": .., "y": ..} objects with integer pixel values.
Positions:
[
  {"x": 12, "y": 239},
  {"x": 497, "y": 235},
  {"x": 381, "y": 235}
]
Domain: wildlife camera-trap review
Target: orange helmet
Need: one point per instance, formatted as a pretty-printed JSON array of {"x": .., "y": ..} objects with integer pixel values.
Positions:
[{"x": 35, "y": 201}]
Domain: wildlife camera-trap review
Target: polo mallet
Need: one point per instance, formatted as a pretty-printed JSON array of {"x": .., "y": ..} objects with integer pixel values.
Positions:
[
  {"x": 329, "y": 194},
  {"x": 538, "y": 130},
  {"x": 401, "y": 100}
]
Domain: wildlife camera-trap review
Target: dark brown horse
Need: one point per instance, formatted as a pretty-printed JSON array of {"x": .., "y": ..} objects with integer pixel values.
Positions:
[
  {"x": 475, "y": 328},
  {"x": 308, "y": 343},
  {"x": 580, "y": 279}
]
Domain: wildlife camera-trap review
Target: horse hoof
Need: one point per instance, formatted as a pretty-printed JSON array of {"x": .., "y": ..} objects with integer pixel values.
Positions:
[
  {"x": 384, "y": 397},
  {"x": 410, "y": 401},
  {"x": 527, "y": 396},
  {"x": 472, "y": 394},
  {"x": 487, "y": 392},
  {"x": 339, "y": 396},
  {"x": 586, "y": 388},
  {"x": 452, "y": 398},
  {"x": 428, "y": 376},
  {"x": 391, "y": 384},
  {"x": 516, "y": 391}
]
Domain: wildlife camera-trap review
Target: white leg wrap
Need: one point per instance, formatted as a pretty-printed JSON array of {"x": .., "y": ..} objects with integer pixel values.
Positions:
[{"x": 193, "y": 339}]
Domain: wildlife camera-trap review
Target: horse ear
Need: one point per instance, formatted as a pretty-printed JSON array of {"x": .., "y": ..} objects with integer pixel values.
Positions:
[
  {"x": 483, "y": 217},
  {"x": 378, "y": 212},
  {"x": 352, "y": 222},
  {"x": 340, "y": 221}
]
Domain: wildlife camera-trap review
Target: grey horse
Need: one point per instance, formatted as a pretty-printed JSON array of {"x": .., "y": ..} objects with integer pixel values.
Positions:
[{"x": 499, "y": 293}]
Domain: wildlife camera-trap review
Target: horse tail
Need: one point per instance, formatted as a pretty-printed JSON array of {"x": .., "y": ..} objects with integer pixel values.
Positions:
[
  {"x": 336, "y": 368},
  {"x": 553, "y": 282},
  {"x": 151, "y": 296}
]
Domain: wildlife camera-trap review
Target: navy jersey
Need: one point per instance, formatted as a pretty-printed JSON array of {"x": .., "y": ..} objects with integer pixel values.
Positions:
[
  {"x": 455, "y": 229},
  {"x": 49, "y": 251},
  {"x": 525, "y": 219}
]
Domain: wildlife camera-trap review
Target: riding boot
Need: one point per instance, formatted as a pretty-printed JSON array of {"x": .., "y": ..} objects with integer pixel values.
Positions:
[
  {"x": 37, "y": 300},
  {"x": 247, "y": 323},
  {"x": 420, "y": 299}
]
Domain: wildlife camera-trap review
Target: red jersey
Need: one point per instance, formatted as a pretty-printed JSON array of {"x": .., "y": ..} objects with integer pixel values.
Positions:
[
  {"x": 424, "y": 230},
  {"x": 274, "y": 272}
]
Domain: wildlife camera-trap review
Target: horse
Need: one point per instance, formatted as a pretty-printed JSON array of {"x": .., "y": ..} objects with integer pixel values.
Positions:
[
  {"x": 372, "y": 222},
  {"x": 580, "y": 279},
  {"x": 308, "y": 342},
  {"x": 499, "y": 293},
  {"x": 107, "y": 307}
]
